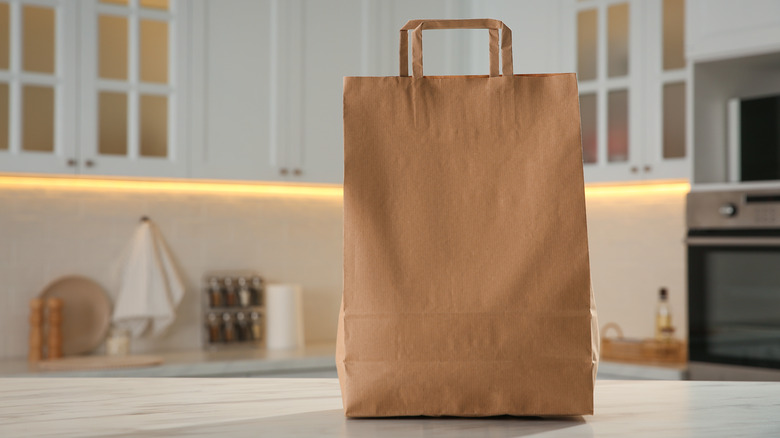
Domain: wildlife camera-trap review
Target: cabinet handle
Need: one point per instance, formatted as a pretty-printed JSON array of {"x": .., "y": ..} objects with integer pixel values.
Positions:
[
  {"x": 297, "y": 172},
  {"x": 89, "y": 163},
  {"x": 648, "y": 168},
  {"x": 283, "y": 171},
  {"x": 71, "y": 162},
  {"x": 634, "y": 169}
]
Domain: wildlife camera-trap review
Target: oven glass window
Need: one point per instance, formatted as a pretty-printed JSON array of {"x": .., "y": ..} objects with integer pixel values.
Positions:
[{"x": 742, "y": 305}]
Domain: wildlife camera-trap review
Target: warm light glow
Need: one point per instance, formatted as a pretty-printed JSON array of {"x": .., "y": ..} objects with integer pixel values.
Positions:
[
  {"x": 275, "y": 189},
  {"x": 670, "y": 188},
  {"x": 177, "y": 186}
]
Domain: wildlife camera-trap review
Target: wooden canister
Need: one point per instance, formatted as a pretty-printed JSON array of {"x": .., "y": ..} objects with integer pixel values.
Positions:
[
  {"x": 35, "y": 352},
  {"x": 54, "y": 332}
]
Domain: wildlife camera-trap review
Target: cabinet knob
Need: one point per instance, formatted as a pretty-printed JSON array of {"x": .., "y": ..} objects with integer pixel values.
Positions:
[
  {"x": 71, "y": 162},
  {"x": 297, "y": 172},
  {"x": 728, "y": 210},
  {"x": 89, "y": 163},
  {"x": 648, "y": 168},
  {"x": 634, "y": 169},
  {"x": 283, "y": 171}
]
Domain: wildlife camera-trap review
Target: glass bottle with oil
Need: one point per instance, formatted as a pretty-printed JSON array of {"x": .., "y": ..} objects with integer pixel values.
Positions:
[{"x": 663, "y": 317}]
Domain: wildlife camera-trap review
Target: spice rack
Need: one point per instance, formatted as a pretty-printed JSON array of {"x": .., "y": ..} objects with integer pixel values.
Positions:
[{"x": 234, "y": 315}]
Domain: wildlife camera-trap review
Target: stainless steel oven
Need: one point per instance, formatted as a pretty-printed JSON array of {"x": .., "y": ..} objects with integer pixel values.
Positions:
[{"x": 734, "y": 284}]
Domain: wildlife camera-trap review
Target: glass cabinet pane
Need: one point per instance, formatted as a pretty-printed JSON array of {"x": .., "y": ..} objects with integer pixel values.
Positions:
[
  {"x": 155, "y": 4},
  {"x": 589, "y": 128},
  {"x": 154, "y": 126},
  {"x": 617, "y": 126},
  {"x": 112, "y": 127},
  {"x": 617, "y": 40},
  {"x": 112, "y": 47},
  {"x": 587, "y": 52},
  {"x": 674, "y": 120},
  {"x": 674, "y": 34},
  {"x": 37, "y": 118},
  {"x": 154, "y": 51},
  {"x": 4, "y": 114},
  {"x": 38, "y": 26},
  {"x": 5, "y": 36}
]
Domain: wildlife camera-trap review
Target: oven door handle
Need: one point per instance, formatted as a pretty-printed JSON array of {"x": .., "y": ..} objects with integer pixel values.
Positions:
[{"x": 733, "y": 241}]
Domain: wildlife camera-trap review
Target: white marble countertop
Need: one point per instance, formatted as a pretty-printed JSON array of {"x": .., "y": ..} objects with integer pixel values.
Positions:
[
  {"x": 312, "y": 408},
  {"x": 198, "y": 363},
  {"x": 245, "y": 362}
]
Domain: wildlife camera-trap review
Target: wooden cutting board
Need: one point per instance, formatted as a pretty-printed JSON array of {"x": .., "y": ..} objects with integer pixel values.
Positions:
[{"x": 79, "y": 363}]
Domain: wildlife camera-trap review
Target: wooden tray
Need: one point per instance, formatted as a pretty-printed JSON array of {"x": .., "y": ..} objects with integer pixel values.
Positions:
[{"x": 672, "y": 351}]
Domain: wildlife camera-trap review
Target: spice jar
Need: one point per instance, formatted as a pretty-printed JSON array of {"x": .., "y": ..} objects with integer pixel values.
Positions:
[
  {"x": 244, "y": 295},
  {"x": 229, "y": 292},
  {"x": 215, "y": 294},
  {"x": 257, "y": 290},
  {"x": 228, "y": 328},
  {"x": 257, "y": 326},
  {"x": 213, "y": 327},
  {"x": 243, "y": 333}
]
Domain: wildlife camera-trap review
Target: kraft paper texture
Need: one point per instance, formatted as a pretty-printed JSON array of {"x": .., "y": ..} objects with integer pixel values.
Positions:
[{"x": 466, "y": 275}]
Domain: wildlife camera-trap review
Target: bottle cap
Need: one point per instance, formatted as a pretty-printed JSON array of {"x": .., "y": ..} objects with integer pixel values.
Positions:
[{"x": 663, "y": 293}]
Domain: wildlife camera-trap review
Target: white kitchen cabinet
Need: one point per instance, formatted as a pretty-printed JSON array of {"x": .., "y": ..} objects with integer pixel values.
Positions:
[
  {"x": 94, "y": 87},
  {"x": 268, "y": 103},
  {"x": 232, "y": 89},
  {"x": 37, "y": 87},
  {"x": 633, "y": 79},
  {"x": 268, "y": 100},
  {"x": 719, "y": 29},
  {"x": 133, "y": 88}
]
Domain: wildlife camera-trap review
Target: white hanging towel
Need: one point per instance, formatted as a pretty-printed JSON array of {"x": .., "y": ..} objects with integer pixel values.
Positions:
[{"x": 150, "y": 286}]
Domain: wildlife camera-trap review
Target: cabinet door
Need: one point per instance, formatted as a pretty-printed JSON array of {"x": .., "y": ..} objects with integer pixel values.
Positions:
[
  {"x": 606, "y": 54},
  {"x": 667, "y": 97},
  {"x": 235, "y": 89},
  {"x": 356, "y": 38},
  {"x": 134, "y": 87},
  {"x": 720, "y": 29},
  {"x": 632, "y": 75},
  {"x": 37, "y": 83},
  {"x": 331, "y": 47}
]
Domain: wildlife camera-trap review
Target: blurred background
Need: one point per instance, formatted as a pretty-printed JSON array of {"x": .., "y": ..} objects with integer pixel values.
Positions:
[{"x": 220, "y": 122}]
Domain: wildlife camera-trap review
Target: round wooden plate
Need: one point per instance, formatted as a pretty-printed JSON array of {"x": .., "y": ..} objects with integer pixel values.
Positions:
[{"x": 86, "y": 313}]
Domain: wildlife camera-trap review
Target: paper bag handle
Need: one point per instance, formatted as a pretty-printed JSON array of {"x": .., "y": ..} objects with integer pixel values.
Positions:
[{"x": 417, "y": 26}]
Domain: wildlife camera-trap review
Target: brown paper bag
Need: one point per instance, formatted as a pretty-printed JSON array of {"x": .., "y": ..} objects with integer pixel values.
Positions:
[{"x": 466, "y": 275}]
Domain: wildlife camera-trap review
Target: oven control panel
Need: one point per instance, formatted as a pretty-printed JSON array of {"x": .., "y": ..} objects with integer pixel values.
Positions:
[{"x": 733, "y": 209}]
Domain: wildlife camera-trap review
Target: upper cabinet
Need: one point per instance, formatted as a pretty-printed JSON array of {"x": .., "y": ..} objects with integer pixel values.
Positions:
[
  {"x": 271, "y": 88},
  {"x": 252, "y": 90},
  {"x": 37, "y": 86},
  {"x": 267, "y": 79},
  {"x": 105, "y": 97},
  {"x": 630, "y": 61},
  {"x": 233, "y": 90},
  {"x": 718, "y": 29},
  {"x": 133, "y": 85}
]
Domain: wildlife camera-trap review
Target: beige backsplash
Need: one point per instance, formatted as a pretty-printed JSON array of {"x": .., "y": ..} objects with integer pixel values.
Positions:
[
  {"x": 636, "y": 247},
  {"x": 48, "y": 232}
]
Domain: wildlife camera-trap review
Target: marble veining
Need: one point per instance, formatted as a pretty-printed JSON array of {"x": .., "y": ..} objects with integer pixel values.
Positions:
[{"x": 312, "y": 408}]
